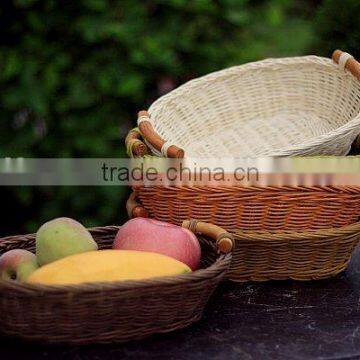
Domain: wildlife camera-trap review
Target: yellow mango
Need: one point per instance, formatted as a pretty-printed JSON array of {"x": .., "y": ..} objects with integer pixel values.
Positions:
[{"x": 107, "y": 265}]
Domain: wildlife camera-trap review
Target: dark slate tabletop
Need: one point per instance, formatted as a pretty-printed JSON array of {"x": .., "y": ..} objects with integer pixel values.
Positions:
[{"x": 272, "y": 320}]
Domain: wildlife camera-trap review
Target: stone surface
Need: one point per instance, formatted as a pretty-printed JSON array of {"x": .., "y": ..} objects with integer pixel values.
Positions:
[{"x": 273, "y": 320}]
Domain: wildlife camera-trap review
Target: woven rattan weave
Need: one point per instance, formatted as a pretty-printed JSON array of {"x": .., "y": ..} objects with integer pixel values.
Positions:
[
  {"x": 114, "y": 311},
  {"x": 254, "y": 208},
  {"x": 281, "y": 255},
  {"x": 289, "y": 106},
  {"x": 303, "y": 105}
]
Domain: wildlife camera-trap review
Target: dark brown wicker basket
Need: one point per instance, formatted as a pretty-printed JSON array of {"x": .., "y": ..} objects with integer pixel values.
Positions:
[
  {"x": 285, "y": 254},
  {"x": 114, "y": 311}
]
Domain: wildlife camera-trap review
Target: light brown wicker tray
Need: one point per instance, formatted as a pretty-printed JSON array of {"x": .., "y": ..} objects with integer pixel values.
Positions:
[
  {"x": 281, "y": 255},
  {"x": 114, "y": 311}
]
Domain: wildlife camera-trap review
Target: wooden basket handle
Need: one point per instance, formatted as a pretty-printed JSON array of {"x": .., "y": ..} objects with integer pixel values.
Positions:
[
  {"x": 154, "y": 139},
  {"x": 347, "y": 61},
  {"x": 135, "y": 209},
  {"x": 134, "y": 146},
  {"x": 224, "y": 240}
]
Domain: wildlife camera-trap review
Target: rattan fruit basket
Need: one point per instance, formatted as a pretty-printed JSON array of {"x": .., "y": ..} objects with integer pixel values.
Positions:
[
  {"x": 306, "y": 105},
  {"x": 113, "y": 311},
  {"x": 294, "y": 106},
  {"x": 281, "y": 255}
]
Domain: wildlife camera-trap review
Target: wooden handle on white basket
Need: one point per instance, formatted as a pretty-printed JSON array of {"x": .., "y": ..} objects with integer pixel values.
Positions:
[
  {"x": 224, "y": 240},
  {"x": 155, "y": 139},
  {"x": 351, "y": 64},
  {"x": 134, "y": 146}
]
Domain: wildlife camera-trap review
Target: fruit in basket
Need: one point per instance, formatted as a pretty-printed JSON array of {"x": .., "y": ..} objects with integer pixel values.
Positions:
[
  {"x": 107, "y": 265},
  {"x": 145, "y": 234},
  {"x": 17, "y": 265},
  {"x": 62, "y": 237}
]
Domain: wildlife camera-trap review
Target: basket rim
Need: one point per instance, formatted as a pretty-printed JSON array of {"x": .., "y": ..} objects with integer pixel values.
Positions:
[
  {"x": 320, "y": 234},
  {"x": 331, "y": 189},
  {"x": 221, "y": 263},
  {"x": 274, "y": 63}
]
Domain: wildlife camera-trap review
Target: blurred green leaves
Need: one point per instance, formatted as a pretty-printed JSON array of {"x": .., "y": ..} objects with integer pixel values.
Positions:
[
  {"x": 74, "y": 74},
  {"x": 337, "y": 27}
]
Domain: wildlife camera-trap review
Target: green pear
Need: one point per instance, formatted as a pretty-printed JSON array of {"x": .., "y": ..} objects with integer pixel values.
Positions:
[{"x": 62, "y": 237}]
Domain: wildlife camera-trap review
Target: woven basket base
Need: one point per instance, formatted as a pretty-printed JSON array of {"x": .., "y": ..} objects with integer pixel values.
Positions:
[
  {"x": 304, "y": 125},
  {"x": 312, "y": 255},
  {"x": 269, "y": 275}
]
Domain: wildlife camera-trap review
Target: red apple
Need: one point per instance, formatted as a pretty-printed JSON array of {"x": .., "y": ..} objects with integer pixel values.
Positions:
[
  {"x": 17, "y": 265},
  {"x": 144, "y": 234}
]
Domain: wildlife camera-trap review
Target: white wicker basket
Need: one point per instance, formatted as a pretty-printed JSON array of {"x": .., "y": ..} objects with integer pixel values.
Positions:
[{"x": 292, "y": 106}]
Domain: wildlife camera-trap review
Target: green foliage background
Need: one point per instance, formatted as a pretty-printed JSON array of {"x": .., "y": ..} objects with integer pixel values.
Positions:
[{"x": 74, "y": 74}]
